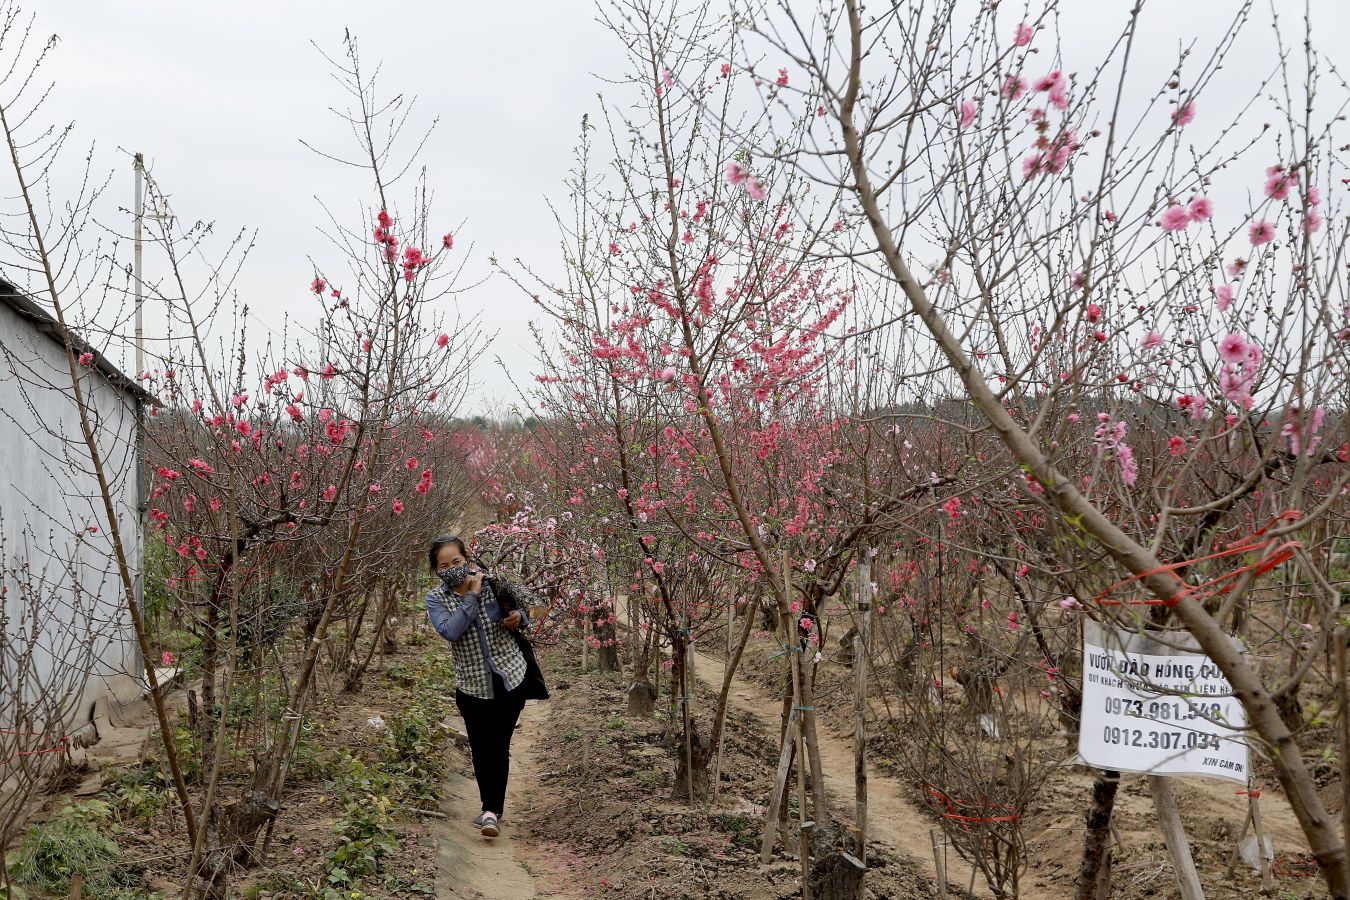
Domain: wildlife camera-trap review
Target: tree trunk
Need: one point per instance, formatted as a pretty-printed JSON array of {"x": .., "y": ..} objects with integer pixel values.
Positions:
[
  {"x": 607, "y": 654},
  {"x": 231, "y": 832},
  {"x": 642, "y": 699},
  {"x": 837, "y": 876},
  {"x": 1094, "y": 872},
  {"x": 692, "y": 771}
]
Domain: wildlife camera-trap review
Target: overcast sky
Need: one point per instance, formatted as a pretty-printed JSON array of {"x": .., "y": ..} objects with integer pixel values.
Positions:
[{"x": 218, "y": 95}]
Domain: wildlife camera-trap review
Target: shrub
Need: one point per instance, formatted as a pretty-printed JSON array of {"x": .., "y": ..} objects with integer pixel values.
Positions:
[{"x": 79, "y": 840}]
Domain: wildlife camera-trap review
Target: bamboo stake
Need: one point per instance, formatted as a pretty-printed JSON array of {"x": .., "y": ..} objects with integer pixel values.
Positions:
[{"x": 940, "y": 863}]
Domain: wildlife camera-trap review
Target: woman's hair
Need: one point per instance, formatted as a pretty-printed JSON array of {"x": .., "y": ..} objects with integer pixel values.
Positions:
[{"x": 440, "y": 542}]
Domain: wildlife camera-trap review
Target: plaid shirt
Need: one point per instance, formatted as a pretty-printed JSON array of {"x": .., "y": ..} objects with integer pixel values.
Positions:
[{"x": 479, "y": 643}]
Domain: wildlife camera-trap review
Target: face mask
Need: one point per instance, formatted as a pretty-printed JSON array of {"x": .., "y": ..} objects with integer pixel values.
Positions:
[{"x": 454, "y": 577}]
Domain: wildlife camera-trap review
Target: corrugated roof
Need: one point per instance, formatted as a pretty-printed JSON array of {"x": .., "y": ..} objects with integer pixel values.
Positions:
[{"x": 46, "y": 323}]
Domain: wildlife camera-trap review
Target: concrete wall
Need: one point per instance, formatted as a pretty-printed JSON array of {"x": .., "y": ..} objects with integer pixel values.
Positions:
[{"x": 48, "y": 496}]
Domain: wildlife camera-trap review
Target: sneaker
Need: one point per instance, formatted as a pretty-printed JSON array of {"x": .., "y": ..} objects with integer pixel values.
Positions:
[
  {"x": 478, "y": 821},
  {"x": 489, "y": 828}
]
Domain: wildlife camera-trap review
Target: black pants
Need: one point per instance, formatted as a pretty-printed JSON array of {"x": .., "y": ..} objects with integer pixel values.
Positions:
[{"x": 490, "y": 724}]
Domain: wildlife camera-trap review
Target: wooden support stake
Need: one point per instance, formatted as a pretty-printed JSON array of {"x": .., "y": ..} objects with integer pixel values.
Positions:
[
  {"x": 1174, "y": 836},
  {"x": 1339, "y": 637},
  {"x": 726, "y": 661},
  {"x": 1254, "y": 805},
  {"x": 76, "y": 886},
  {"x": 798, "y": 693},
  {"x": 860, "y": 712},
  {"x": 940, "y": 863},
  {"x": 1233, "y": 857},
  {"x": 780, "y": 778}
]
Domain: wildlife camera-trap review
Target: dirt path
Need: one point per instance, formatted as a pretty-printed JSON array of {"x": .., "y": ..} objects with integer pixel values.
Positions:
[
  {"x": 892, "y": 819},
  {"x": 470, "y": 866}
]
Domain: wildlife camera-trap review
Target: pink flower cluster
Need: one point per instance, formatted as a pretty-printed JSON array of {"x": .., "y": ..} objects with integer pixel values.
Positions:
[
  {"x": 1110, "y": 437},
  {"x": 739, "y": 176},
  {"x": 1241, "y": 357},
  {"x": 1176, "y": 217}
]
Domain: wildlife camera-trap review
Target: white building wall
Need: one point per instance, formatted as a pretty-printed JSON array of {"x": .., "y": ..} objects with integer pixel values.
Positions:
[{"x": 49, "y": 495}]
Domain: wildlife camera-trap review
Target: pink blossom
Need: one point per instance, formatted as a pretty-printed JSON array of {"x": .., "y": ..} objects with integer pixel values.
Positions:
[
  {"x": 1261, "y": 233},
  {"x": 1175, "y": 218},
  {"x": 384, "y": 219},
  {"x": 397, "y": 507},
  {"x": 166, "y": 658},
  {"x": 1313, "y": 222},
  {"x": 1176, "y": 446},
  {"x": 448, "y": 241},
  {"x": 1049, "y": 82},
  {"x": 442, "y": 340},
  {"x": 1033, "y": 164},
  {"x": 668, "y": 374},
  {"x": 1152, "y": 340},
  {"x": 317, "y": 285},
  {"x": 1129, "y": 468},
  {"x": 726, "y": 70},
  {"x": 1059, "y": 96},
  {"x": 1070, "y": 603},
  {"x": 86, "y": 358},
  {"x": 1014, "y": 87},
  {"x": 1184, "y": 114},
  {"x": 968, "y": 110},
  {"x": 1223, "y": 296},
  {"x": 782, "y": 78},
  {"x": 1233, "y": 348},
  {"x": 295, "y": 413},
  {"x": 755, "y": 189},
  {"x": 1278, "y": 183},
  {"x": 329, "y": 493},
  {"x": 1200, "y": 209},
  {"x": 1024, "y": 34},
  {"x": 736, "y": 173},
  {"x": 952, "y": 507}
]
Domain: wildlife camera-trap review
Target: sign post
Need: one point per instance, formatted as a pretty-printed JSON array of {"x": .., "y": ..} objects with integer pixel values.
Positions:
[{"x": 1157, "y": 708}]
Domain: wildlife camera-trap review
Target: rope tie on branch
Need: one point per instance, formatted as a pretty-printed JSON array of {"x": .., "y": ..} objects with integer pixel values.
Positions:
[
  {"x": 62, "y": 744},
  {"x": 1279, "y": 553},
  {"x": 948, "y": 808}
]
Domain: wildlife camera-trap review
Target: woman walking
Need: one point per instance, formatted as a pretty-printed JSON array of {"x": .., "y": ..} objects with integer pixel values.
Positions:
[{"x": 489, "y": 668}]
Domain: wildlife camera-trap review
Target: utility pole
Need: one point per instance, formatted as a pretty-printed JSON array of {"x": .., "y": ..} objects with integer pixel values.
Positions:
[{"x": 139, "y": 208}]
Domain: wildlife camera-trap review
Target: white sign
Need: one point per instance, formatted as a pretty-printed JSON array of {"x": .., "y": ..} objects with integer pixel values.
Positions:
[{"x": 1158, "y": 709}]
